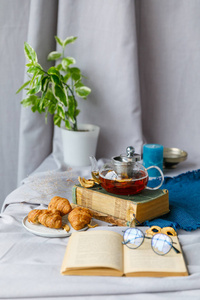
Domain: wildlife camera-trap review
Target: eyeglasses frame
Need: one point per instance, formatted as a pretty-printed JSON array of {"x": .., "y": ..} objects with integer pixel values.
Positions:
[{"x": 148, "y": 237}]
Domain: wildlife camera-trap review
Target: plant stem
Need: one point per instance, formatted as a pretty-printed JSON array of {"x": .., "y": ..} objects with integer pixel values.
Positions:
[{"x": 75, "y": 125}]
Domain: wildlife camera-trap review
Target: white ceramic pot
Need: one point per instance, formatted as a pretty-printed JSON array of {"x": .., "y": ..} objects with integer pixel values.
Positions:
[{"x": 79, "y": 145}]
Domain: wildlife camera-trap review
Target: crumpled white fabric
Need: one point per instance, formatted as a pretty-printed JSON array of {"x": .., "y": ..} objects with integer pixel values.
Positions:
[{"x": 30, "y": 265}]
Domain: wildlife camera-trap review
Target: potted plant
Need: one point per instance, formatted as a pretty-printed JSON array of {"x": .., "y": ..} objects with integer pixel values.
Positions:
[{"x": 54, "y": 91}]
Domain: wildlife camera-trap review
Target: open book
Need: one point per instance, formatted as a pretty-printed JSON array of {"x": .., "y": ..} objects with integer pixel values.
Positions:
[{"x": 101, "y": 253}]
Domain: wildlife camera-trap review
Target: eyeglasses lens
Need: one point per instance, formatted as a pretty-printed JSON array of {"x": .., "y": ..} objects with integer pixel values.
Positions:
[
  {"x": 161, "y": 243},
  {"x": 133, "y": 238}
]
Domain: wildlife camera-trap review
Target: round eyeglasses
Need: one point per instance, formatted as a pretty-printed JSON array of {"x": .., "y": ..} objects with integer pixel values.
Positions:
[{"x": 160, "y": 242}]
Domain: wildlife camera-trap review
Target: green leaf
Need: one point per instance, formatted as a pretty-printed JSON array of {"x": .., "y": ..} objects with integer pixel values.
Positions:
[
  {"x": 35, "y": 102},
  {"x": 50, "y": 96},
  {"x": 71, "y": 108},
  {"x": 57, "y": 120},
  {"x": 23, "y": 86},
  {"x": 66, "y": 77},
  {"x": 36, "y": 86},
  {"x": 39, "y": 66},
  {"x": 34, "y": 90},
  {"x": 58, "y": 67},
  {"x": 78, "y": 84},
  {"x": 53, "y": 71},
  {"x": 59, "y": 94},
  {"x": 41, "y": 107},
  {"x": 45, "y": 83},
  {"x": 33, "y": 80},
  {"x": 56, "y": 80},
  {"x": 60, "y": 41},
  {"x": 83, "y": 91},
  {"x": 30, "y": 100},
  {"x": 54, "y": 55},
  {"x": 75, "y": 70},
  {"x": 30, "y": 52},
  {"x": 77, "y": 111},
  {"x": 67, "y": 61},
  {"x": 37, "y": 73},
  {"x": 69, "y": 40},
  {"x": 31, "y": 64},
  {"x": 51, "y": 108},
  {"x": 61, "y": 111},
  {"x": 34, "y": 69},
  {"x": 75, "y": 74},
  {"x": 65, "y": 64},
  {"x": 34, "y": 108},
  {"x": 67, "y": 124}
]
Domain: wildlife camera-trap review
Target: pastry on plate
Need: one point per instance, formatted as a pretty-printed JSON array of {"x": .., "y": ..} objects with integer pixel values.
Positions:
[
  {"x": 61, "y": 204},
  {"x": 34, "y": 215},
  {"x": 51, "y": 219},
  {"x": 79, "y": 217}
]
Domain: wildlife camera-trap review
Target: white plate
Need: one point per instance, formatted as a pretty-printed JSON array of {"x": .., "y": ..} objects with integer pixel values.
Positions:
[{"x": 41, "y": 230}]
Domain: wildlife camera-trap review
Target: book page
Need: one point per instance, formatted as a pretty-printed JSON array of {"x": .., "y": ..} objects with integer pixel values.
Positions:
[
  {"x": 94, "y": 249},
  {"x": 144, "y": 259}
]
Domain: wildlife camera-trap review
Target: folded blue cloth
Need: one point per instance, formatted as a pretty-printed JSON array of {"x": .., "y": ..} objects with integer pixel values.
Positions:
[{"x": 184, "y": 202}]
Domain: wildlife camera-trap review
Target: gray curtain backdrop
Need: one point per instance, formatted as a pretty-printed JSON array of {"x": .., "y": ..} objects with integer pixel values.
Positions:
[{"x": 142, "y": 61}]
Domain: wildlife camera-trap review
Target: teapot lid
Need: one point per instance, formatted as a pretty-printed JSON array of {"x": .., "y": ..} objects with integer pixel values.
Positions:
[{"x": 129, "y": 157}]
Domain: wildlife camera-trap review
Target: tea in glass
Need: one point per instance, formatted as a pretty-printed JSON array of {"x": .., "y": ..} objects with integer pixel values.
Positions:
[{"x": 114, "y": 184}]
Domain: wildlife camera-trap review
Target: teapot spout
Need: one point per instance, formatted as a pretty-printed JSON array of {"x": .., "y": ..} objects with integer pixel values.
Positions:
[
  {"x": 94, "y": 166},
  {"x": 94, "y": 169}
]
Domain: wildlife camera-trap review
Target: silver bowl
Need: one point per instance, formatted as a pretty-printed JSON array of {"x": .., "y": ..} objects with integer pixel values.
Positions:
[{"x": 173, "y": 156}]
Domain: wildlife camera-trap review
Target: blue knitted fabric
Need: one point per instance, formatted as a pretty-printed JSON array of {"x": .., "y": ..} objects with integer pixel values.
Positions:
[{"x": 184, "y": 202}]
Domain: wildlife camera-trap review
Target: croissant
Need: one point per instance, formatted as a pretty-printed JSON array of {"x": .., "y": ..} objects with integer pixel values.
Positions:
[
  {"x": 61, "y": 204},
  {"x": 79, "y": 217},
  {"x": 33, "y": 215},
  {"x": 50, "y": 218}
]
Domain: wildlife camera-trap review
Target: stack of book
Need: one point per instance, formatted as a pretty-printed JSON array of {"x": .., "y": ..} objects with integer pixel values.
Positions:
[{"x": 120, "y": 210}]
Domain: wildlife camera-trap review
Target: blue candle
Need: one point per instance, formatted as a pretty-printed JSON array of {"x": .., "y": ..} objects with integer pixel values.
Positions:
[{"x": 153, "y": 156}]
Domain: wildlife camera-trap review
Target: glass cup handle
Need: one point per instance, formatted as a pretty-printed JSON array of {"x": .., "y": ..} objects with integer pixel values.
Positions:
[{"x": 162, "y": 176}]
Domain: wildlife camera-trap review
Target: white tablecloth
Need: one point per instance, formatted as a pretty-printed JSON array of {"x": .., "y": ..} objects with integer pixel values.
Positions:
[{"x": 30, "y": 264}]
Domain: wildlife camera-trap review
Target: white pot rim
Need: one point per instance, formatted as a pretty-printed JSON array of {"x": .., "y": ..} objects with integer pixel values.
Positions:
[{"x": 82, "y": 126}]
